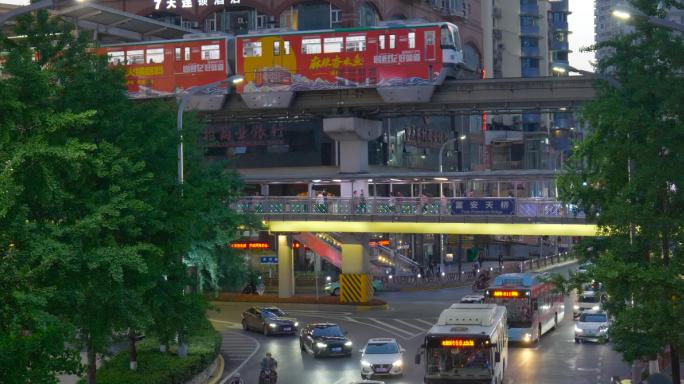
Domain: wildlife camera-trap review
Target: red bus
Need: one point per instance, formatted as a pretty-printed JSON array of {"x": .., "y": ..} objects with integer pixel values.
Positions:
[
  {"x": 396, "y": 53},
  {"x": 169, "y": 67},
  {"x": 532, "y": 308}
]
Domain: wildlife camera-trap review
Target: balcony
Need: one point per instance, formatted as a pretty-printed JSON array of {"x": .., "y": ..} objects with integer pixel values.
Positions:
[
  {"x": 529, "y": 72},
  {"x": 529, "y": 10},
  {"x": 561, "y": 121},
  {"x": 560, "y": 26},
  {"x": 530, "y": 52},
  {"x": 560, "y": 46},
  {"x": 530, "y": 30},
  {"x": 560, "y": 6},
  {"x": 531, "y": 117}
]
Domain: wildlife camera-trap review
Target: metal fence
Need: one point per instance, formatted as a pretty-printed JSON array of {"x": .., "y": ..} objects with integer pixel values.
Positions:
[{"x": 406, "y": 206}]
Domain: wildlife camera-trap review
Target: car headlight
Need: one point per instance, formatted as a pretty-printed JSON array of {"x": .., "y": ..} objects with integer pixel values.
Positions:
[
  {"x": 528, "y": 335},
  {"x": 365, "y": 363},
  {"x": 577, "y": 330},
  {"x": 296, "y": 324},
  {"x": 321, "y": 345},
  {"x": 397, "y": 363},
  {"x": 348, "y": 343},
  {"x": 273, "y": 325},
  {"x": 595, "y": 307},
  {"x": 576, "y": 306}
]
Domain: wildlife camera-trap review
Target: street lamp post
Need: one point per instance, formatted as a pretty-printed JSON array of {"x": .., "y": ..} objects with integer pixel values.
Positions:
[
  {"x": 441, "y": 150},
  {"x": 627, "y": 13},
  {"x": 181, "y": 107},
  {"x": 184, "y": 101}
]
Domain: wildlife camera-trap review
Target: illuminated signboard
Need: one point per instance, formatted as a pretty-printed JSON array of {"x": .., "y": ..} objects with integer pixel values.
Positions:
[
  {"x": 250, "y": 245},
  {"x": 505, "y": 294},
  {"x": 381, "y": 242},
  {"x": 458, "y": 343}
]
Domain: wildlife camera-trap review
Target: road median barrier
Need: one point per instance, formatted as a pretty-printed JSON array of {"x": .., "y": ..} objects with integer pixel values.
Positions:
[{"x": 298, "y": 302}]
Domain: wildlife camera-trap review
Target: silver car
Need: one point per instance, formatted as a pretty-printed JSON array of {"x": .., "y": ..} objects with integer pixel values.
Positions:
[{"x": 592, "y": 325}]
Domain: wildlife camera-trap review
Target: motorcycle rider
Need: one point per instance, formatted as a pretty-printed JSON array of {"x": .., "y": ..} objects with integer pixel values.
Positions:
[
  {"x": 237, "y": 379},
  {"x": 482, "y": 279},
  {"x": 249, "y": 288},
  {"x": 268, "y": 364}
]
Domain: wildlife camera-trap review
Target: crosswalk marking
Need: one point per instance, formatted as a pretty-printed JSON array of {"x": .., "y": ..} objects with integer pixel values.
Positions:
[
  {"x": 391, "y": 326},
  {"x": 423, "y": 321},
  {"x": 411, "y": 325}
]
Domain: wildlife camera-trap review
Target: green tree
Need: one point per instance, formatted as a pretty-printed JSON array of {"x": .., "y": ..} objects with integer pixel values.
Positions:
[
  {"x": 643, "y": 121},
  {"x": 91, "y": 203}
]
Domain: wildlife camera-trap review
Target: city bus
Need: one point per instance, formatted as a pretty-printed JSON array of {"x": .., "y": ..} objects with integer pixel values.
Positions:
[
  {"x": 468, "y": 345},
  {"x": 532, "y": 308}
]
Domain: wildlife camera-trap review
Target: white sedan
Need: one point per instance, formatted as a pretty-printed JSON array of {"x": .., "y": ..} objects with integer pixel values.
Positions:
[
  {"x": 592, "y": 325},
  {"x": 382, "y": 357}
]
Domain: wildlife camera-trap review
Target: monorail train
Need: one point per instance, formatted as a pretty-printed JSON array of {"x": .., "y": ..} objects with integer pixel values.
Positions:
[{"x": 396, "y": 53}]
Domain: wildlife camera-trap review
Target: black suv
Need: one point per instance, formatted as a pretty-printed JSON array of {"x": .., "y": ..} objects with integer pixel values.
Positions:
[
  {"x": 269, "y": 320},
  {"x": 324, "y": 339}
]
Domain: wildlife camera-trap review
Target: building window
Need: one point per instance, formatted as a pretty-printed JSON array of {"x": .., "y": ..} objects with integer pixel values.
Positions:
[
  {"x": 471, "y": 57},
  {"x": 529, "y": 42},
  {"x": 530, "y": 63},
  {"x": 368, "y": 17},
  {"x": 381, "y": 41},
  {"x": 557, "y": 16},
  {"x": 560, "y": 56},
  {"x": 311, "y": 46},
  {"x": 528, "y": 1},
  {"x": 116, "y": 58},
  {"x": 136, "y": 57},
  {"x": 527, "y": 21},
  {"x": 187, "y": 53},
  {"x": 392, "y": 42},
  {"x": 335, "y": 17},
  {"x": 311, "y": 15},
  {"x": 356, "y": 43},
  {"x": 286, "y": 47},
  {"x": 412, "y": 40},
  {"x": 251, "y": 49},
  {"x": 560, "y": 36},
  {"x": 397, "y": 16},
  {"x": 334, "y": 44},
  {"x": 155, "y": 55}
]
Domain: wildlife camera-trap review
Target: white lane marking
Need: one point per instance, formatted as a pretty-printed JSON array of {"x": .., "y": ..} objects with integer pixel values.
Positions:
[
  {"x": 600, "y": 357},
  {"x": 537, "y": 347},
  {"x": 598, "y": 377},
  {"x": 599, "y": 364},
  {"x": 522, "y": 363},
  {"x": 411, "y": 325},
  {"x": 391, "y": 326},
  {"x": 378, "y": 327},
  {"x": 589, "y": 369},
  {"x": 339, "y": 381},
  {"x": 230, "y": 376},
  {"x": 230, "y": 325},
  {"x": 423, "y": 321}
]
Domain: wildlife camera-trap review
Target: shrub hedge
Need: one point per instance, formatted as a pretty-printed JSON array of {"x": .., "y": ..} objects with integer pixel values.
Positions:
[
  {"x": 155, "y": 367},
  {"x": 294, "y": 299}
]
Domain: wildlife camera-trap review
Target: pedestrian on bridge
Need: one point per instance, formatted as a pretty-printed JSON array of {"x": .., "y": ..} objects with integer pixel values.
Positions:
[
  {"x": 431, "y": 268},
  {"x": 320, "y": 207},
  {"x": 500, "y": 259}
]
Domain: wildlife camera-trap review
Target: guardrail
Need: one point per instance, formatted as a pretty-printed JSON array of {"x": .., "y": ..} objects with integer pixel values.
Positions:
[
  {"x": 408, "y": 206},
  {"x": 437, "y": 280}
]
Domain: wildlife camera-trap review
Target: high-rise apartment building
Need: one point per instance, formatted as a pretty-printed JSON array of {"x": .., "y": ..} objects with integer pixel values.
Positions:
[
  {"x": 607, "y": 26},
  {"x": 524, "y": 38}
]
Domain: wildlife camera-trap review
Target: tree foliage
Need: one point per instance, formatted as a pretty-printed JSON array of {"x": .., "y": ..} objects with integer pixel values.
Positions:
[
  {"x": 95, "y": 226},
  {"x": 644, "y": 122}
]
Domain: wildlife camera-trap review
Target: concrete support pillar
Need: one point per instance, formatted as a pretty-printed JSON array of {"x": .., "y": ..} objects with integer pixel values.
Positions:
[
  {"x": 355, "y": 256},
  {"x": 353, "y": 135},
  {"x": 285, "y": 266}
]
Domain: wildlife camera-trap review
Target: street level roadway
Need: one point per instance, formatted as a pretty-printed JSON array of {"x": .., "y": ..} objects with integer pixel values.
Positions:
[{"x": 556, "y": 359}]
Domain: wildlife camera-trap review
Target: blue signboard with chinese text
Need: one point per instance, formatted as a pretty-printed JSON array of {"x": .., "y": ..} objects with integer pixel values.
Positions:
[
  {"x": 269, "y": 260},
  {"x": 491, "y": 206}
]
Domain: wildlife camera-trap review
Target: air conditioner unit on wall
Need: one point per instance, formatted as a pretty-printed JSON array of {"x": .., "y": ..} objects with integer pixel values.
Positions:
[
  {"x": 517, "y": 119},
  {"x": 497, "y": 34},
  {"x": 496, "y": 12},
  {"x": 502, "y": 47}
]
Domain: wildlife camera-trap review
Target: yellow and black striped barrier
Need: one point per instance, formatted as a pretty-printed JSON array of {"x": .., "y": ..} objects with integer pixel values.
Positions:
[{"x": 356, "y": 288}]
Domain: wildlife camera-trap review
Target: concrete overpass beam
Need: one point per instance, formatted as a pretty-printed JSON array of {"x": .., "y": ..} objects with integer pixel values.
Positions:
[
  {"x": 353, "y": 134},
  {"x": 285, "y": 266}
]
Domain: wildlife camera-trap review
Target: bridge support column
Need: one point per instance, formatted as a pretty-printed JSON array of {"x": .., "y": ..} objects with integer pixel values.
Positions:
[
  {"x": 285, "y": 266},
  {"x": 353, "y": 134},
  {"x": 356, "y": 281}
]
